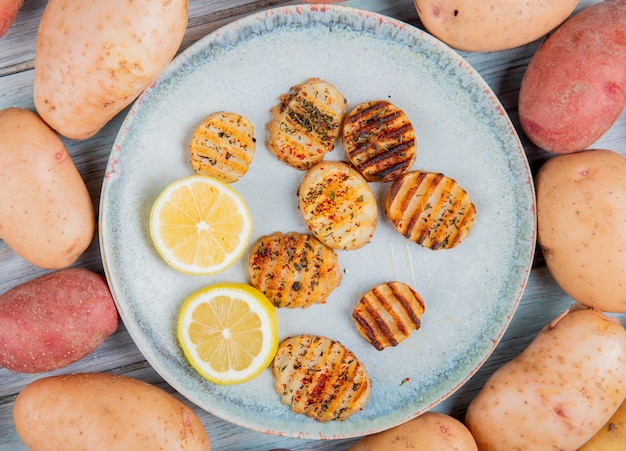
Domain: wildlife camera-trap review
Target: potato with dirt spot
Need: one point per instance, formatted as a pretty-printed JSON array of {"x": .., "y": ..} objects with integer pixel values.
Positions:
[
  {"x": 88, "y": 411},
  {"x": 559, "y": 391},
  {"x": 488, "y": 25}
]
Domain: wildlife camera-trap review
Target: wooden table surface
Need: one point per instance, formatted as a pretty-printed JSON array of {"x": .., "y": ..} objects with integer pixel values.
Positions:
[{"x": 503, "y": 71}]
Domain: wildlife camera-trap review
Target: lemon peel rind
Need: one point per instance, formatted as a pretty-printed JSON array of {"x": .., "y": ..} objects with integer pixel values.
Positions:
[{"x": 258, "y": 304}]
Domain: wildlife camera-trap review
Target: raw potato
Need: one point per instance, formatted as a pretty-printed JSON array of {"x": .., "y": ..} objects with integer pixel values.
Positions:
[
  {"x": 8, "y": 12},
  {"x": 488, "y": 25},
  {"x": 559, "y": 391},
  {"x": 93, "y": 58},
  {"x": 431, "y": 431},
  {"x": 90, "y": 411},
  {"x": 54, "y": 320},
  {"x": 582, "y": 225},
  {"x": 574, "y": 88},
  {"x": 46, "y": 213},
  {"x": 612, "y": 436}
]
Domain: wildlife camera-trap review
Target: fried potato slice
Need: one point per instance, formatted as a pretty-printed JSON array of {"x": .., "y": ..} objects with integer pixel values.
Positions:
[
  {"x": 306, "y": 123},
  {"x": 430, "y": 209},
  {"x": 320, "y": 378},
  {"x": 388, "y": 314},
  {"x": 379, "y": 140},
  {"x": 223, "y": 146},
  {"x": 294, "y": 270},
  {"x": 338, "y": 205}
]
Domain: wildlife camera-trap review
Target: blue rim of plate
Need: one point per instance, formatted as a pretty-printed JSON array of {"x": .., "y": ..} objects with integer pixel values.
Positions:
[{"x": 225, "y": 403}]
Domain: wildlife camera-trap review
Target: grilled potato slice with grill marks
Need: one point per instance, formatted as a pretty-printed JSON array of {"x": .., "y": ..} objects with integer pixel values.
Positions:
[
  {"x": 306, "y": 123},
  {"x": 430, "y": 209},
  {"x": 223, "y": 146},
  {"x": 320, "y": 378},
  {"x": 379, "y": 140},
  {"x": 338, "y": 205},
  {"x": 388, "y": 313},
  {"x": 293, "y": 269}
]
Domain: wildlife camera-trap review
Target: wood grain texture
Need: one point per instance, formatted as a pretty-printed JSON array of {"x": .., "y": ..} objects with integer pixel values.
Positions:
[{"x": 503, "y": 71}]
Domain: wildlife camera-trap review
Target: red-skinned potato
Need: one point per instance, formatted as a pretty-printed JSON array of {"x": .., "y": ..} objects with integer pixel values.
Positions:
[
  {"x": 104, "y": 411},
  {"x": 431, "y": 431},
  {"x": 55, "y": 320},
  {"x": 93, "y": 58},
  {"x": 559, "y": 391},
  {"x": 574, "y": 87},
  {"x": 489, "y": 25},
  {"x": 581, "y": 225},
  {"x": 8, "y": 13},
  {"x": 46, "y": 212}
]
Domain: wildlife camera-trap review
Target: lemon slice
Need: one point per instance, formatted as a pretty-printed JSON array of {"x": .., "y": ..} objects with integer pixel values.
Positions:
[
  {"x": 200, "y": 225},
  {"x": 228, "y": 332}
]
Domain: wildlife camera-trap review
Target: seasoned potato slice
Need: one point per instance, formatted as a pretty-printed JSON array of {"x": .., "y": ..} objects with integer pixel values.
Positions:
[
  {"x": 306, "y": 123},
  {"x": 320, "y": 378},
  {"x": 293, "y": 269},
  {"x": 379, "y": 140},
  {"x": 388, "y": 313},
  {"x": 222, "y": 146},
  {"x": 338, "y": 205},
  {"x": 431, "y": 209}
]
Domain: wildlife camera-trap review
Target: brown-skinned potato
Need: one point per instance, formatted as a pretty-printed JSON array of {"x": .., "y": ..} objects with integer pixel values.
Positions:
[
  {"x": 93, "y": 58},
  {"x": 489, "y": 25},
  {"x": 581, "y": 225},
  {"x": 105, "y": 411},
  {"x": 46, "y": 212},
  {"x": 559, "y": 391}
]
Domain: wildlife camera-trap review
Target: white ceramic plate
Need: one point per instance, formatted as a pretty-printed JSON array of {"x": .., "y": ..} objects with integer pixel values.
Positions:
[{"x": 470, "y": 292}]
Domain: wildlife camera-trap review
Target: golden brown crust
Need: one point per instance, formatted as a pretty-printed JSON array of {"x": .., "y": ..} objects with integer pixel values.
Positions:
[
  {"x": 430, "y": 209},
  {"x": 379, "y": 140},
  {"x": 388, "y": 314},
  {"x": 306, "y": 123},
  {"x": 293, "y": 270},
  {"x": 222, "y": 146},
  {"x": 338, "y": 205},
  {"x": 320, "y": 378}
]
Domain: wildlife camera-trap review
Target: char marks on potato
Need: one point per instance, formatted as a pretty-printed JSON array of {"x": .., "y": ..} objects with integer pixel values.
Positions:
[
  {"x": 320, "y": 378},
  {"x": 222, "y": 146},
  {"x": 379, "y": 140},
  {"x": 338, "y": 205},
  {"x": 293, "y": 269},
  {"x": 388, "y": 313},
  {"x": 430, "y": 209},
  {"x": 306, "y": 123}
]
